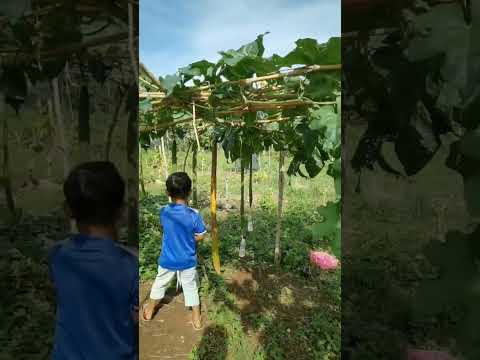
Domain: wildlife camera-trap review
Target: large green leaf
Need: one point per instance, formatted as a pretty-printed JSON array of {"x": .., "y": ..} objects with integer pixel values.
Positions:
[
  {"x": 330, "y": 227},
  {"x": 442, "y": 30},
  {"x": 310, "y": 52},
  {"x": 322, "y": 86},
  {"x": 145, "y": 105},
  {"x": 253, "y": 49},
  {"x": 199, "y": 68},
  {"x": 169, "y": 82}
]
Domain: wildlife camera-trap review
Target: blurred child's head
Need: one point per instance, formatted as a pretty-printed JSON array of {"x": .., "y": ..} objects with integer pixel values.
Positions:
[
  {"x": 94, "y": 193},
  {"x": 179, "y": 186}
]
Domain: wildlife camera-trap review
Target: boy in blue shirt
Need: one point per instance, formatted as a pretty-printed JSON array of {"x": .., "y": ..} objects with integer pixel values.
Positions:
[
  {"x": 182, "y": 228},
  {"x": 95, "y": 279}
]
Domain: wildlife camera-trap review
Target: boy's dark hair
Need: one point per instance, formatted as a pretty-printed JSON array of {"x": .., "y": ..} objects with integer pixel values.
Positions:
[
  {"x": 94, "y": 192},
  {"x": 179, "y": 185}
]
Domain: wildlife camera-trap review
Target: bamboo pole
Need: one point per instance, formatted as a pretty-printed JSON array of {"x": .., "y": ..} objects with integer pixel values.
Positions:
[
  {"x": 186, "y": 156},
  {"x": 237, "y": 112},
  {"x": 174, "y": 152},
  {"x": 151, "y": 77},
  {"x": 195, "y": 179},
  {"x": 242, "y": 196},
  {"x": 164, "y": 156},
  {"x": 274, "y": 76},
  {"x": 142, "y": 179},
  {"x": 281, "y": 183},
  {"x": 213, "y": 211},
  {"x": 250, "y": 183}
]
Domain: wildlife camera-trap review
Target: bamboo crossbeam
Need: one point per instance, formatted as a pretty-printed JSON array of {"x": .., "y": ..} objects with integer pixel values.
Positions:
[
  {"x": 150, "y": 75},
  {"x": 278, "y": 75},
  {"x": 220, "y": 121},
  {"x": 295, "y": 72},
  {"x": 151, "y": 94},
  {"x": 251, "y": 106}
]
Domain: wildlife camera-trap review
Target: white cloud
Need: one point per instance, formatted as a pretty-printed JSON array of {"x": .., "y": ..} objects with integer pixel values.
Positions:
[{"x": 215, "y": 25}]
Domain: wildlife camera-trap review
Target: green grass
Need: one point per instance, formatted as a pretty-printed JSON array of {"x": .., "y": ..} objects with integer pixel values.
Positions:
[{"x": 270, "y": 332}]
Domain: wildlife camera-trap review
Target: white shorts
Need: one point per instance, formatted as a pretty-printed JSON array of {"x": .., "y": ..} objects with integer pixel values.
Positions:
[{"x": 187, "y": 279}]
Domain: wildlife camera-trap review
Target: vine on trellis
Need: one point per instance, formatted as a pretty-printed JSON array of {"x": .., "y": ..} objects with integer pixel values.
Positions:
[{"x": 249, "y": 103}]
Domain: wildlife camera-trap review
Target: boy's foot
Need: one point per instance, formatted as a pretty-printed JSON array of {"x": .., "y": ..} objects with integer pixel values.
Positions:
[
  {"x": 149, "y": 309},
  {"x": 196, "y": 318}
]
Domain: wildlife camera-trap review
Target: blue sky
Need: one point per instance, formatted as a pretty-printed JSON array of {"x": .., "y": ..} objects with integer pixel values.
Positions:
[{"x": 175, "y": 33}]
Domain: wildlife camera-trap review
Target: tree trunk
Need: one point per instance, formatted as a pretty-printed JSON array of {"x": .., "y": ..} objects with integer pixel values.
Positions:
[
  {"x": 213, "y": 210},
  {"x": 281, "y": 183},
  {"x": 60, "y": 126},
  {"x": 122, "y": 94},
  {"x": 6, "y": 168},
  {"x": 132, "y": 161},
  {"x": 195, "y": 180},
  {"x": 84, "y": 123}
]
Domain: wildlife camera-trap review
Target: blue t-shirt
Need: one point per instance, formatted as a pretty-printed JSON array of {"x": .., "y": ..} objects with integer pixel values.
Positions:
[
  {"x": 180, "y": 225},
  {"x": 96, "y": 284}
]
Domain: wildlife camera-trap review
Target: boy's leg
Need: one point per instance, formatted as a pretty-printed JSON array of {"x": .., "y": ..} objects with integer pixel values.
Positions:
[
  {"x": 157, "y": 292},
  {"x": 189, "y": 281}
]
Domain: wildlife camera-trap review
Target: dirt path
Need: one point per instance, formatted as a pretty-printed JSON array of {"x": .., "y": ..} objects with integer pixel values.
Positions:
[
  {"x": 283, "y": 303},
  {"x": 170, "y": 334}
]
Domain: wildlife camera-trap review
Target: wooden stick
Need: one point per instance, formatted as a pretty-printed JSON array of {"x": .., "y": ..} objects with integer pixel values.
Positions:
[
  {"x": 150, "y": 94},
  {"x": 213, "y": 210},
  {"x": 194, "y": 170},
  {"x": 221, "y": 121},
  {"x": 281, "y": 180},
  {"x": 195, "y": 125},
  {"x": 275, "y": 76}
]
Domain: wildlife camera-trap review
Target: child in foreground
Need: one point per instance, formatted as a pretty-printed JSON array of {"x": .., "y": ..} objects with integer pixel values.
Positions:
[
  {"x": 95, "y": 279},
  {"x": 182, "y": 228}
]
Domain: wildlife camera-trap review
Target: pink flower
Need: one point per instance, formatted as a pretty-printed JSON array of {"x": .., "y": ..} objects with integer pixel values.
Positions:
[{"x": 323, "y": 260}]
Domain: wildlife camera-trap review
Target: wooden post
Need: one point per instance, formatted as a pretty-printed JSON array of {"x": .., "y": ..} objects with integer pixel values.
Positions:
[
  {"x": 242, "y": 197},
  {"x": 6, "y": 166},
  {"x": 281, "y": 183},
  {"x": 174, "y": 152},
  {"x": 142, "y": 180},
  {"x": 164, "y": 156},
  {"x": 194, "y": 171},
  {"x": 213, "y": 210},
  {"x": 250, "y": 183}
]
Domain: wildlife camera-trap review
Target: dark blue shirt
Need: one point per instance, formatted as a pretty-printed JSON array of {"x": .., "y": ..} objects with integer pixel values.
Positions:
[
  {"x": 96, "y": 283},
  {"x": 180, "y": 225}
]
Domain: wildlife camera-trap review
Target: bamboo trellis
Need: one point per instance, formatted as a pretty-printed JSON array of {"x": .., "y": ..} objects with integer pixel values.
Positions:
[{"x": 269, "y": 96}]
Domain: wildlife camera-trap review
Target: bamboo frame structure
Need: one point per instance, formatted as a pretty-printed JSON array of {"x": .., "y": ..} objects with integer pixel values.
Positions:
[{"x": 267, "y": 98}]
